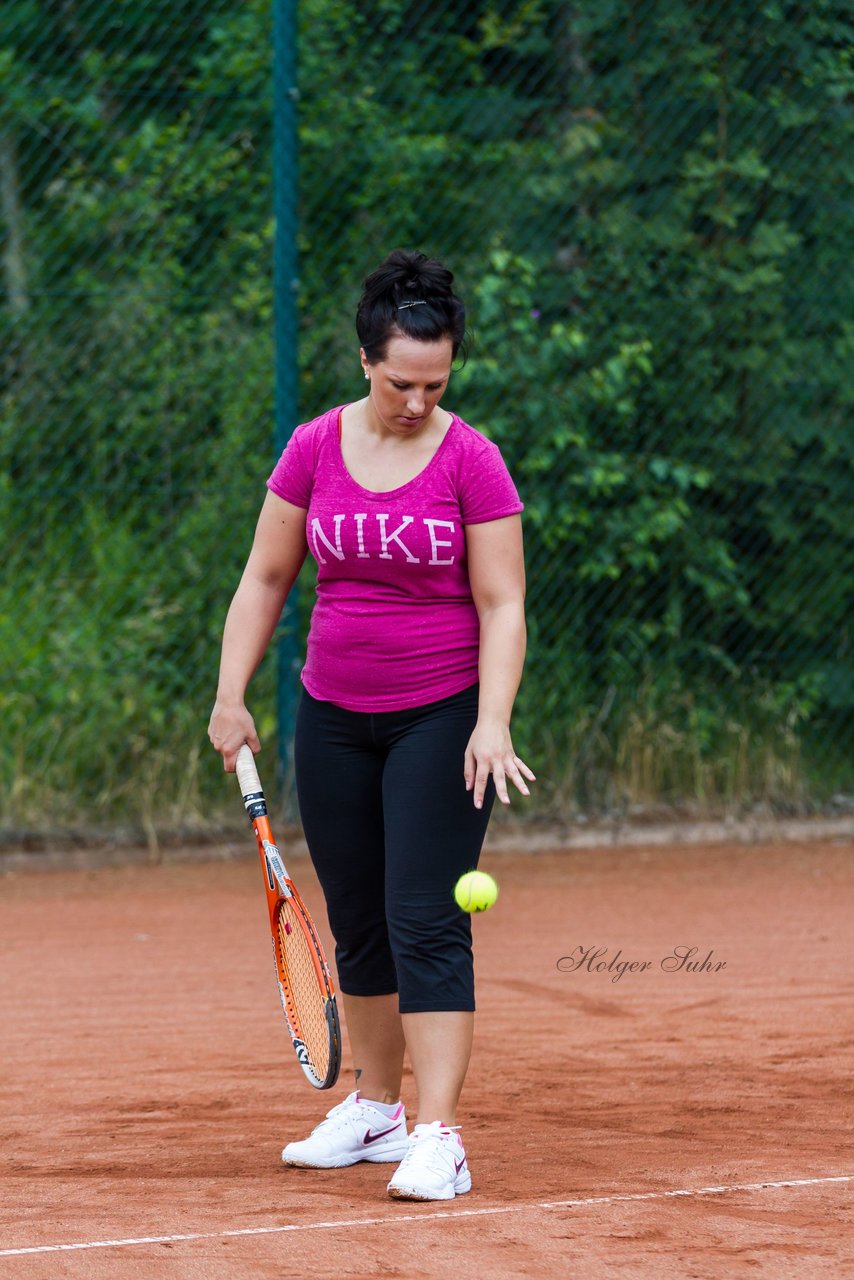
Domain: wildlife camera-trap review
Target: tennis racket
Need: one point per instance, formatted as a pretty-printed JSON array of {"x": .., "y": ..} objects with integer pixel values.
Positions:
[{"x": 305, "y": 986}]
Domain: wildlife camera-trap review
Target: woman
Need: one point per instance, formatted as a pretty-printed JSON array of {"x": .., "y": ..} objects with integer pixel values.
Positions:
[{"x": 402, "y": 740}]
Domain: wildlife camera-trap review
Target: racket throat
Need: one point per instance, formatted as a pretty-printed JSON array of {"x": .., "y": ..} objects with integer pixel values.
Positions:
[{"x": 277, "y": 876}]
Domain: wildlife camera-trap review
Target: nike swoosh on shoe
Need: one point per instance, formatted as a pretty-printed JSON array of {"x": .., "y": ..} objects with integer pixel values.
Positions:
[
  {"x": 459, "y": 1166},
  {"x": 372, "y": 1137}
]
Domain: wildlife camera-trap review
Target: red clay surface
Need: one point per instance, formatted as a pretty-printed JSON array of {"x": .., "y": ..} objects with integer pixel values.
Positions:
[{"x": 148, "y": 1086}]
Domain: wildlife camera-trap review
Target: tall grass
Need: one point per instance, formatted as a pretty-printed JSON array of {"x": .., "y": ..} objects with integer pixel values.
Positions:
[{"x": 661, "y": 747}]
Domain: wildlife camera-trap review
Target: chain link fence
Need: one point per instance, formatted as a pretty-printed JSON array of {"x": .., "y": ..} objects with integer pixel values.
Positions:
[{"x": 648, "y": 208}]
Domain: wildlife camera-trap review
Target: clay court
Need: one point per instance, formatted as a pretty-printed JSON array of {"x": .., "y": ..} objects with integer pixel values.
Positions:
[{"x": 647, "y": 1122}]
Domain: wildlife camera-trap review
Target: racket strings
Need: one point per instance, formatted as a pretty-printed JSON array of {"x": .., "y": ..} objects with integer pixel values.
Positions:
[{"x": 306, "y": 1001}]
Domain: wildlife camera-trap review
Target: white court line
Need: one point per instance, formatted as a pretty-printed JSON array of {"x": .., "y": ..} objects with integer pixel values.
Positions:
[{"x": 393, "y": 1219}]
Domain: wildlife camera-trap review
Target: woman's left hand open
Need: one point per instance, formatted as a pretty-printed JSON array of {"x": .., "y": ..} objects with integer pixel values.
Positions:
[{"x": 490, "y": 751}]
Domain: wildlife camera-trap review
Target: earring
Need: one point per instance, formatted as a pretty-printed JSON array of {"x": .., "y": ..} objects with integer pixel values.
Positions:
[{"x": 367, "y": 375}]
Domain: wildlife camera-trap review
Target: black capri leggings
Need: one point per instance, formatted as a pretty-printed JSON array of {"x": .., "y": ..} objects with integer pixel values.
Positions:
[{"x": 391, "y": 828}]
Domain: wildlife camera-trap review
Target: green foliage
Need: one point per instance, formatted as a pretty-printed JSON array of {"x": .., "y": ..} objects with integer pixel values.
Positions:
[{"x": 649, "y": 212}]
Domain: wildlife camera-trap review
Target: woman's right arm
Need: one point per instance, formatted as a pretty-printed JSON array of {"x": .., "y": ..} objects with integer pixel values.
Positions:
[{"x": 276, "y": 558}]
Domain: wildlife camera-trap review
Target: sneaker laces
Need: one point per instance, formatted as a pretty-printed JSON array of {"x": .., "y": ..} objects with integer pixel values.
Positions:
[
  {"x": 351, "y": 1108},
  {"x": 427, "y": 1148},
  {"x": 336, "y": 1116}
]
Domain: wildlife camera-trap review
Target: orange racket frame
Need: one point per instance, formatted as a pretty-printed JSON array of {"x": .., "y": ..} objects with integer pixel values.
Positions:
[{"x": 313, "y": 1004}]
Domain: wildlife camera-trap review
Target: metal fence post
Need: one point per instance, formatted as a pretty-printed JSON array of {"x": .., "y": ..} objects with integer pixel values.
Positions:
[{"x": 285, "y": 286}]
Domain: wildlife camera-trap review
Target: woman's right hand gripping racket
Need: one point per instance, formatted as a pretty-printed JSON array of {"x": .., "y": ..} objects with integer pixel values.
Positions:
[{"x": 305, "y": 986}]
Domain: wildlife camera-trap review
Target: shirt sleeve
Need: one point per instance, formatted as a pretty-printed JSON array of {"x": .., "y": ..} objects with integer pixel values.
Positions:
[
  {"x": 292, "y": 477},
  {"x": 487, "y": 491}
]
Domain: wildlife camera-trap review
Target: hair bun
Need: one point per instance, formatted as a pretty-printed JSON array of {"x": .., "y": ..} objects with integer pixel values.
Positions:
[
  {"x": 408, "y": 276},
  {"x": 406, "y": 272}
]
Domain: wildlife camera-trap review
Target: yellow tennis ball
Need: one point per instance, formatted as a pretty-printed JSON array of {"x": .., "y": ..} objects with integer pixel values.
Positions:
[{"x": 475, "y": 891}]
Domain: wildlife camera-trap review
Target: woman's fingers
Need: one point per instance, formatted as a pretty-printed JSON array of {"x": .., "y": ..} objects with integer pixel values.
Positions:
[
  {"x": 469, "y": 769},
  {"x": 499, "y": 777},
  {"x": 523, "y": 768},
  {"x": 228, "y": 729},
  {"x": 501, "y": 769}
]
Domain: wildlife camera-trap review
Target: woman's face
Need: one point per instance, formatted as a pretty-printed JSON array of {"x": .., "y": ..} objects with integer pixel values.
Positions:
[{"x": 408, "y": 384}]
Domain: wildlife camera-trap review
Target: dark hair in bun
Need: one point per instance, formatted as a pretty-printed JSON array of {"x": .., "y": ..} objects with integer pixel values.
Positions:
[{"x": 409, "y": 277}]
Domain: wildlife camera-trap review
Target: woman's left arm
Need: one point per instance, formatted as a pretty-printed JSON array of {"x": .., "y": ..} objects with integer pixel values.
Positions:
[{"x": 497, "y": 577}]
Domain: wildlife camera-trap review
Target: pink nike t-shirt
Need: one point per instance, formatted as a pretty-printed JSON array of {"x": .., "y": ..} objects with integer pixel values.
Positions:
[{"x": 394, "y": 624}]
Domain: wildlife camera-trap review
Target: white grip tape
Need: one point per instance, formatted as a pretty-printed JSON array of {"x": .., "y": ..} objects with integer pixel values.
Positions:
[{"x": 247, "y": 774}]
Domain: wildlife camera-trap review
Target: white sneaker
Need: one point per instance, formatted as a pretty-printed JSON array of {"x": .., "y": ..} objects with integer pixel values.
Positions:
[
  {"x": 351, "y": 1132},
  {"x": 434, "y": 1167}
]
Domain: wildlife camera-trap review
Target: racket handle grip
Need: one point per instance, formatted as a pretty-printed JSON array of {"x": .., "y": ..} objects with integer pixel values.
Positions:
[{"x": 247, "y": 773}]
